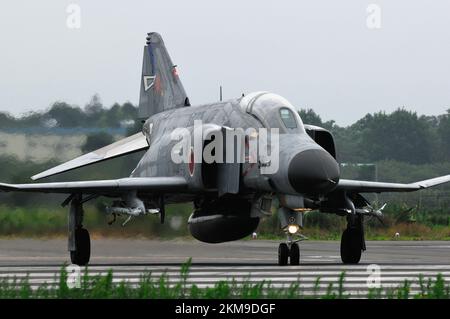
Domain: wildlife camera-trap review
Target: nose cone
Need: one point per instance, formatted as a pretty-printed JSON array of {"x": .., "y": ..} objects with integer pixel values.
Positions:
[{"x": 313, "y": 171}]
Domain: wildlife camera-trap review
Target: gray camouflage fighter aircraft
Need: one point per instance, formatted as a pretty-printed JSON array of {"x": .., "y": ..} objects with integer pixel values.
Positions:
[{"x": 230, "y": 198}]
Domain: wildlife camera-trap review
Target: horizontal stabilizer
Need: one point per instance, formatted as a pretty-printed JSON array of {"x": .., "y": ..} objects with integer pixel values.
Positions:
[{"x": 131, "y": 144}]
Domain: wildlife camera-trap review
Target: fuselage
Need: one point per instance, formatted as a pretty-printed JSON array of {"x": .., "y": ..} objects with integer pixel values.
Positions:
[{"x": 303, "y": 165}]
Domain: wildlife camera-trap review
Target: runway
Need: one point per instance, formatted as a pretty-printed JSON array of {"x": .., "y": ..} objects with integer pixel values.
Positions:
[{"x": 244, "y": 261}]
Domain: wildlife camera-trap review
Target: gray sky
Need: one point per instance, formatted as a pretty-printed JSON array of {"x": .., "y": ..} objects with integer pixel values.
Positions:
[{"x": 317, "y": 54}]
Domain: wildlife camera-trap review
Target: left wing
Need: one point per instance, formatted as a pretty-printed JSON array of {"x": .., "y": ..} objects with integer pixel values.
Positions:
[
  {"x": 377, "y": 187},
  {"x": 128, "y": 145},
  {"x": 107, "y": 187}
]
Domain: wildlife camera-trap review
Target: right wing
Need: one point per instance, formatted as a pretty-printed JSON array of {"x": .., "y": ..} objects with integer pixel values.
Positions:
[
  {"x": 169, "y": 184},
  {"x": 378, "y": 187},
  {"x": 128, "y": 145}
]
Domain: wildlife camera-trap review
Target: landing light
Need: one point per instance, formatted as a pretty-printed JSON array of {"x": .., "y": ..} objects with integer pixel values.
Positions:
[{"x": 292, "y": 229}]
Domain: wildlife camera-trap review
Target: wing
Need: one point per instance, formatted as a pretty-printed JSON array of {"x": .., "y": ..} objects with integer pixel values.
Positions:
[
  {"x": 106, "y": 187},
  {"x": 377, "y": 187},
  {"x": 131, "y": 144}
]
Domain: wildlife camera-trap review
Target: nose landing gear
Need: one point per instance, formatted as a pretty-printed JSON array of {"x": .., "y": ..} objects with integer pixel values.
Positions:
[
  {"x": 291, "y": 221},
  {"x": 289, "y": 252}
]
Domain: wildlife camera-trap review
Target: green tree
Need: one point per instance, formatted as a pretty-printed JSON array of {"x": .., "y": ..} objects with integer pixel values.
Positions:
[
  {"x": 66, "y": 115},
  {"x": 400, "y": 136},
  {"x": 97, "y": 140},
  {"x": 310, "y": 117},
  {"x": 94, "y": 106},
  {"x": 6, "y": 120},
  {"x": 112, "y": 117},
  {"x": 129, "y": 111},
  {"x": 444, "y": 136}
]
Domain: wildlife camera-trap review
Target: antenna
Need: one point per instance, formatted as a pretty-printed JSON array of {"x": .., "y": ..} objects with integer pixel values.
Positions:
[{"x": 220, "y": 93}]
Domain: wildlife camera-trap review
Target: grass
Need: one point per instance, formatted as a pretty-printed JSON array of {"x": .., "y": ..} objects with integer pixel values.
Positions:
[
  {"x": 44, "y": 221},
  {"x": 406, "y": 231},
  {"x": 159, "y": 287},
  {"x": 47, "y": 222}
]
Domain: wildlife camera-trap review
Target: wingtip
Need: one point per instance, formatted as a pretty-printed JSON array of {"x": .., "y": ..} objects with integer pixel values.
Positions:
[{"x": 6, "y": 187}]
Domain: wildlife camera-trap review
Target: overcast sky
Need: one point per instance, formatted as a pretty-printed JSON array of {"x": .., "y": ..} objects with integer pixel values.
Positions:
[{"x": 317, "y": 54}]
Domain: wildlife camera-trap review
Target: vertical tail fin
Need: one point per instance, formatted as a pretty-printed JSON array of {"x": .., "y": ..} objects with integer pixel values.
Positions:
[{"x": 161, "y": 88}]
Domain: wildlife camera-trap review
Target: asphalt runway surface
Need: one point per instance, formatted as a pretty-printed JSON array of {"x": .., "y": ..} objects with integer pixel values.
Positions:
[{"x": 250, "y": 260}]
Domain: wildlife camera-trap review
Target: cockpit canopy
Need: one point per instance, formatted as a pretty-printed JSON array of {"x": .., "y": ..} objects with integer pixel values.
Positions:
[{"x": 273, "y": 111}]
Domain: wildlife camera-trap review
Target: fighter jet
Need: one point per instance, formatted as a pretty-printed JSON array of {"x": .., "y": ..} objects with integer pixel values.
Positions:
[{"x": 237, "y": 161}]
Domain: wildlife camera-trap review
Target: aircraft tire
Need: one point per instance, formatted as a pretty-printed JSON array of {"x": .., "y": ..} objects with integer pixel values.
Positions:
[
  {"x": 82, "y": 254},
  {"x": 351, "y": 246},
  {"x": 283, "y": 254},
  {"x": 294, "y": 254}
]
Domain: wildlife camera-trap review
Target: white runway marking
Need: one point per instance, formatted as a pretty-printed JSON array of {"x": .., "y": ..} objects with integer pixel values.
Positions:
[{"x": 355, "y": 282}]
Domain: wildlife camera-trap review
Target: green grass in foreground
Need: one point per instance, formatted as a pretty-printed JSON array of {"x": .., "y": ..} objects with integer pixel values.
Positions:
[{"x": 95, "y": 287}]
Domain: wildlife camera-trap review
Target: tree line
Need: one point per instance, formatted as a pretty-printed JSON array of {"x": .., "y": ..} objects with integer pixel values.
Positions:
[
  {"x": 402, "y": 135},
  {"x": 64, "y": 115}
]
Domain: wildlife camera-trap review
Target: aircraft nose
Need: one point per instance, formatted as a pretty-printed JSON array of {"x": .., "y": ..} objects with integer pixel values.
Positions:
[{"x": 313, "y": 171}]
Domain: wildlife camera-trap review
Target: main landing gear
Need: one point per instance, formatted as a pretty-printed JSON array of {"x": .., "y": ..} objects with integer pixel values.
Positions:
[
  {"x": 79, "y": 243},
  {"x": 82, "y": 253},
  {"x": 352, "y": 241}
]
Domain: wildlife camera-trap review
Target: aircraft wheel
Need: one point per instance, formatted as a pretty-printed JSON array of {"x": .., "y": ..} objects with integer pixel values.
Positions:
[
  {"x": 351, "y": 246},
  {"x": 283, "y": 254},
  {"x": 295, "y": 254},
  {"x": 82, "y": 254}
]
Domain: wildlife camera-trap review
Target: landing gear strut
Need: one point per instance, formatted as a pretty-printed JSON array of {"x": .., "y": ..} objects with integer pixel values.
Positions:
[
  {"x": 79, "y": 243},
  {"x": 352, "y": 241}
]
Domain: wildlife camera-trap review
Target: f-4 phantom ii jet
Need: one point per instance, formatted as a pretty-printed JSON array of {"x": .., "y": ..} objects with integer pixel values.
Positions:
[{"x": 199, "y": 154}]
